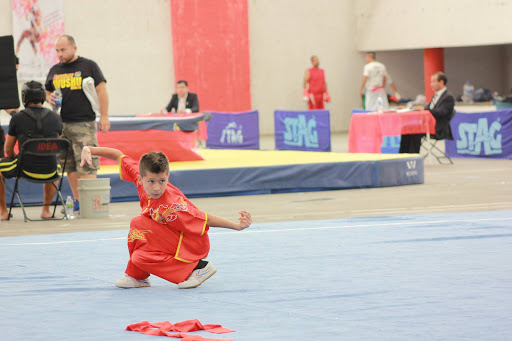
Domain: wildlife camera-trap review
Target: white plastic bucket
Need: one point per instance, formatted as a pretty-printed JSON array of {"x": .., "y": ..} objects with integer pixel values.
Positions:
[{"x": 94, "y": 197}]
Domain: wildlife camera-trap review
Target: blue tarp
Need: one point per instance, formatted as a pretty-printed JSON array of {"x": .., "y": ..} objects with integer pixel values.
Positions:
[{"x": 250, "y": 180}]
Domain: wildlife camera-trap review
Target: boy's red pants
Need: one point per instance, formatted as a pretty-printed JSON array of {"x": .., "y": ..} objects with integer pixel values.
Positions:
[{"x": 152, "y": 247}]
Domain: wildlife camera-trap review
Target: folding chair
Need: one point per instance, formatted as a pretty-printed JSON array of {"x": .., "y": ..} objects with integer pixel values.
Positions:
[
  {"x": 42, "y": 147},
  {"x": 433, "y": 149}
]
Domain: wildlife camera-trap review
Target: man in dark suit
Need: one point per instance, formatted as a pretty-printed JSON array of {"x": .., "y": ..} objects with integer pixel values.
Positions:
[
  {"x": 441, "y": 107},
  {"x": 183, "y": 102}
]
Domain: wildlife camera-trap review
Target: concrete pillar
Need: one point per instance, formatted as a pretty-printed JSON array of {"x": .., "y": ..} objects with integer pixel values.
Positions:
[{"x": 433, "y": 61}]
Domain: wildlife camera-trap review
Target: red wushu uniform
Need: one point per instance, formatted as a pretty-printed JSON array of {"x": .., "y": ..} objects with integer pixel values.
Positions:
[
  {"x": 316, "y": 88},
  {"x": 170, "y": 236}
]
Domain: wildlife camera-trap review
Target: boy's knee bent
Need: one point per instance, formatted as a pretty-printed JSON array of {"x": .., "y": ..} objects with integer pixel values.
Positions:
[
  {"x": 138, "y": 258},
  {"x": 144, "y": 259}
]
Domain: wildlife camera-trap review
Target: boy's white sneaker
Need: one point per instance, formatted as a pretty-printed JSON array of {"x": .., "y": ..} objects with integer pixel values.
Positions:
[
  {"x": 129, "y": 282},
  {"x": 198, "y": 276}
]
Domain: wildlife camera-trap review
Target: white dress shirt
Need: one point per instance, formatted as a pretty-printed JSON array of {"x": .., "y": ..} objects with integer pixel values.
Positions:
[
  {"x": 182, "y": 104},
  {"x": 436, "y": 97}
]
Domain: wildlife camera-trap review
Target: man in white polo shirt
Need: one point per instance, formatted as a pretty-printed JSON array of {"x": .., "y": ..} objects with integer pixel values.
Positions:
[{"x": 374, "y": 83}]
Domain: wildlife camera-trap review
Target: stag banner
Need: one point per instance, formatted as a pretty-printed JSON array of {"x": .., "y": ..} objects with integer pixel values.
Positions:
[
  {"x": 303, "y": 130},
  {"x": 234, "y": 130}
]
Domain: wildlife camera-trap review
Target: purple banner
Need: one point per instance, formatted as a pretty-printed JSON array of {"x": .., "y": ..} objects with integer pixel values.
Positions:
[
  {"x": 238, "y": 130},
  {"x": 302, "y": 130},
  {"x": 481, "y": 135}
]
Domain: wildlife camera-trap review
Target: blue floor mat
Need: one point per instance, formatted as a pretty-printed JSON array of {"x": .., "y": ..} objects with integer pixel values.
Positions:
[{"x": 411, "y": 277}]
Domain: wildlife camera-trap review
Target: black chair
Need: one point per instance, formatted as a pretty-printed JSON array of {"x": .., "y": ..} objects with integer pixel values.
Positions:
[
  {"x": 41, "y": 147},
  {"x": 431, "y": 146}
]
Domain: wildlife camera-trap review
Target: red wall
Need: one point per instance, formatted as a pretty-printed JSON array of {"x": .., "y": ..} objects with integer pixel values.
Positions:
[{"x": 211, "y": 51}]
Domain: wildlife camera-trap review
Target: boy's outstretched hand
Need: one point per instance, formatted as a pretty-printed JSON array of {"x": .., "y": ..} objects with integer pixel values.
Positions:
[
  {"x": 245, "y": 220},
  {"x": 86, "y": 156}
]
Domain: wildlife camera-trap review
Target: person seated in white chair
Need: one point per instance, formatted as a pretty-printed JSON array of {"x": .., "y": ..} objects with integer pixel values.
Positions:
[{"x": 441, "y": 106}]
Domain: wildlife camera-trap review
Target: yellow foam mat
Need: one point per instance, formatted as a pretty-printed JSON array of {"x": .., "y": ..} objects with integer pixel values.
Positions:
[{"x": 222, "y": 158}]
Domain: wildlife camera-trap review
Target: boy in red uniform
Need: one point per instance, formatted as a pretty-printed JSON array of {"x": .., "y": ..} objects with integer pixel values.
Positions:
[{"x": 170, "y": 238}]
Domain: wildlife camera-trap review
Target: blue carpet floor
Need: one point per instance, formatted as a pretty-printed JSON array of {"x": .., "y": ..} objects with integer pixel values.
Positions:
[{"x": 411, "y": 277}]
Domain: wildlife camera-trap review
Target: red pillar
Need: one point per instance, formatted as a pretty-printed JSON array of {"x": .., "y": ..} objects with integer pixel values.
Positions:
[
  {"x": 211, "y": 51},
  {"x": 433, "y": 61}
]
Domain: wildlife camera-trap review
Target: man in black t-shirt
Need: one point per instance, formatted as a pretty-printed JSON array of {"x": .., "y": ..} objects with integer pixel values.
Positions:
[
  {"x": 72, "y": 75},
  {"x": 22, "y": 127}
]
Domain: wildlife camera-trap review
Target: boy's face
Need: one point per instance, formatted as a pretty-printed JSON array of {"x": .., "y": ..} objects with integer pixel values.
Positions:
[{"x": 154, "y": 183}]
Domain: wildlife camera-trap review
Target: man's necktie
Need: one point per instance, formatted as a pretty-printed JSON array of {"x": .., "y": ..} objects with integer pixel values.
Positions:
[{"x": 434, "y": 101}]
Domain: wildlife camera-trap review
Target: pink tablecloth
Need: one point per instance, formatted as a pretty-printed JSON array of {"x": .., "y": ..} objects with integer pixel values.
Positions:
[{"x": 366, "y": 129}]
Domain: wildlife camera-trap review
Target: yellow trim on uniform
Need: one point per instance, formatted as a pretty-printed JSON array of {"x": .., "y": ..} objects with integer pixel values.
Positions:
[
  {"x": 10, "y": 165},
  {"x": 9, "y": 168},
  {"x": 120, "y": 170},
  {"x": 147, "y": 205},
  {"x": 183, "y": 260},
  {"x": 205, "y": 221},
  {"x": 40, "y": 176},
  {"x": 178, "y": 251}
]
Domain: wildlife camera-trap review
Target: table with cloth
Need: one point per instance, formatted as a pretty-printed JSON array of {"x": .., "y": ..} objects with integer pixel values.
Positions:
[{"x": 367, "y": 129}]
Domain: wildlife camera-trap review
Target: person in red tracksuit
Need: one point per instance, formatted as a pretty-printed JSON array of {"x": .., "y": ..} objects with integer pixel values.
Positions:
[
  {"x": 170, "y": 237},
  {"x": 315, "y": 87}
]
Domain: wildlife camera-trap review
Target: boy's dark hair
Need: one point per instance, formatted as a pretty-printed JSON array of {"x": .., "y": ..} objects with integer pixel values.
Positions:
[
  {"x": 154, "y": 162},
  {"x": 373, "y": 54},
  {"x": 441, "y": 77},
  {"x": 182, "y": 82}
]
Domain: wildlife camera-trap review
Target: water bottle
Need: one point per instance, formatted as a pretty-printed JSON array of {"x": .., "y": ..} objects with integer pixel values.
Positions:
[
  {"x": 69, "y": 206},
  {"x": 58, "y": 100},
  {"x": 380, "y": 104},
  {"x": 467, "y": 92}
]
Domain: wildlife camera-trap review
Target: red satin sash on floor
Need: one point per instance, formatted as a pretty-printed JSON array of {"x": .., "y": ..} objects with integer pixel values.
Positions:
[{"x": 163, "y": 329}]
